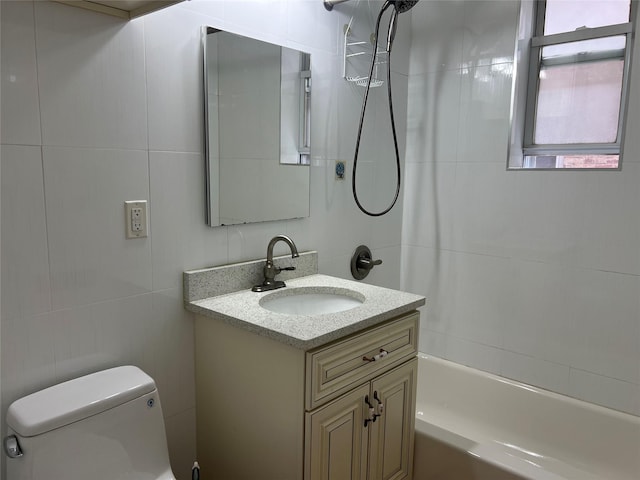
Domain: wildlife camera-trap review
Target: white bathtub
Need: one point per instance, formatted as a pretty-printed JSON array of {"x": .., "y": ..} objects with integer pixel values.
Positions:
[{"x": 474, "y": 425}]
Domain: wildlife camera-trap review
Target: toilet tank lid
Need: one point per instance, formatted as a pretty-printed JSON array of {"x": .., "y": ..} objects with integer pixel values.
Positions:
[{"x": 76, "y": 399}]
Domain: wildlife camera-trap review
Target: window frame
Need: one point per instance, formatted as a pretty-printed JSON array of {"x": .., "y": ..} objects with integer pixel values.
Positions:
[{"x": 530, "y": 42}]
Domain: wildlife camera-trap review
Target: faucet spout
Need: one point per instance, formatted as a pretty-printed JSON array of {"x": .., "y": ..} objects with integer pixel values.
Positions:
[
  {"x": 270, "y": 270},
  {"x": 281, "y": 238}
]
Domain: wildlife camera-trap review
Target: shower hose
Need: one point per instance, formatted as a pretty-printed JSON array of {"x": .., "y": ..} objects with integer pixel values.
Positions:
[{"x": 393, "y": 124}]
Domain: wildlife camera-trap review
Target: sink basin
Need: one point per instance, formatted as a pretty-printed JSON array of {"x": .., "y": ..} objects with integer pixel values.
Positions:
[{"x": 311, "y": 301}]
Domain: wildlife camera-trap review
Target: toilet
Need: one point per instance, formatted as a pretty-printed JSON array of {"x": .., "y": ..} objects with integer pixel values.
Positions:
[{"x": 103, "y": 426}]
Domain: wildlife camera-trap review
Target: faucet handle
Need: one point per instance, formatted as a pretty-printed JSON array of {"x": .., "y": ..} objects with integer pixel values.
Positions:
[
  {"x": 367, "y": 263},
  {"x": 285, "y": 268},
  {"x": 362, "y": 262}
]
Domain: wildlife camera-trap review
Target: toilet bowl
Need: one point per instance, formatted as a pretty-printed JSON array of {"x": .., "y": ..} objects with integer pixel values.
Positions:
[{"x": 103, "y": 426}]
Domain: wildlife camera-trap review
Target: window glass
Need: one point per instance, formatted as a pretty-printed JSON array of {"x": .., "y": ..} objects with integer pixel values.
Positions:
[
  {"x": 579, "y": 103},
  {"x": 571, "y": 161},
  {"x": 569, "y": 15},
  {"x": 585, "y": 50},
  {"x": 568, "y": 110}
]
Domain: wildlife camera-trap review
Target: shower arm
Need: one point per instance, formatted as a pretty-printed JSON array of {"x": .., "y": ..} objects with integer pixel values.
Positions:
[{"x": 328, "y": 4}]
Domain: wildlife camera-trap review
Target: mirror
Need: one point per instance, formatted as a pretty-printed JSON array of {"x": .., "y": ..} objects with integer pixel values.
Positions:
[{"x": 257, "y": 137}]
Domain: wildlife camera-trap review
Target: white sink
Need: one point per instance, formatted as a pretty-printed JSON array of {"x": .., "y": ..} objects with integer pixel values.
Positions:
[{"x": 311, "y": 301}]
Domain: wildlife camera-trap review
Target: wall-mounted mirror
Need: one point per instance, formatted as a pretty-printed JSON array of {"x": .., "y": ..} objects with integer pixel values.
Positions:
[{"x": 257, "y": 121}]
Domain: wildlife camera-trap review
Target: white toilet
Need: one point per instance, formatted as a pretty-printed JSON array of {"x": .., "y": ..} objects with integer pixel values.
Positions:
[{"x": 104, "y": 426}]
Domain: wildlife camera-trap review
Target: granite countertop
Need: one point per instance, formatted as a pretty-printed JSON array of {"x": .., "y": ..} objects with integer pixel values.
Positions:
[{"x": 306, "y": 332}]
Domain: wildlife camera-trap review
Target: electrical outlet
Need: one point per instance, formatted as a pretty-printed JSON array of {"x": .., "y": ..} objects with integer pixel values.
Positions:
[{"x": 135, "y": 218}]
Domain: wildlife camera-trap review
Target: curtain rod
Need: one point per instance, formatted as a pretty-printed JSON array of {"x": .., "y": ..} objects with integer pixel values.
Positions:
[{"x": 328, "y": 4}]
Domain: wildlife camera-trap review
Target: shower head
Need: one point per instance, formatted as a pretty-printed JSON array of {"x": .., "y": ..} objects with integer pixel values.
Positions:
[
  {"x": 402, "y": 6},
  {"x": 399, "y": 6}
]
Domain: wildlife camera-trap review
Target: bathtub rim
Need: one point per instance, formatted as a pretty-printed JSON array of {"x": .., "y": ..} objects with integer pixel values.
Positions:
[
  {"x": 595, "y": 408},
  {"x": 515, "y": 457}
]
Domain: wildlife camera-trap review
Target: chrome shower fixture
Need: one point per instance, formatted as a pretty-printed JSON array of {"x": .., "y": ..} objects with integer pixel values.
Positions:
[
  {"x": 403, "y": 5},
  {"x": 328, "y": 4},
  {"x": 399, "y": 6}
]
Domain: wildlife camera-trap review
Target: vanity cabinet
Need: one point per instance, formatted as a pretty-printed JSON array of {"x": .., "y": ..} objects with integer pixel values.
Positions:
[
  {"x": 342, "y": 440},
  {"x": 268, "y": 410}
]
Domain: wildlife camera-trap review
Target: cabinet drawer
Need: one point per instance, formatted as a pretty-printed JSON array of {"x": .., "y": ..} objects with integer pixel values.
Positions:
[{"x": 334, "y": 369}]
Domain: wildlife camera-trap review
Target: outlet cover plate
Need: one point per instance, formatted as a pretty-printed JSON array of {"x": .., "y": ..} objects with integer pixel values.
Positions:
[{"x": 135, "y": 218}]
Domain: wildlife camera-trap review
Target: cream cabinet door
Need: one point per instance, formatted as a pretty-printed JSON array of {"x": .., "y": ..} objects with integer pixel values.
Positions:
[
  {"x": 392, "y": 434},
  {"x": 336, "y": 439}
]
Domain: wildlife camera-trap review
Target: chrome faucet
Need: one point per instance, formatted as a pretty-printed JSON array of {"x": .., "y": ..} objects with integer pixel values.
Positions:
[{"x": 270, "y": 270}]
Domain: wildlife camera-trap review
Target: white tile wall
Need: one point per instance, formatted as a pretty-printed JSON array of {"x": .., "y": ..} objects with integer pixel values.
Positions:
[
  {"x": 20, "y": 107},
  {"x": 544, "y": 325},
  {"x": 485, "y": 94},
  {"x": 75, "y": 341},
  {"x": 482, "y": 302},
  {"x": 28, "y": 362},
  {"x": 572, "y": 222},
  {"x": 171, "y": 37},
  {"x": 387, "y": 273},
  {"x": 119, "y": 106},
  {"x": 473, "y": 354},
  {"x": 25, "y": 260},
  {"x": 607, "y": 342},
  {"x": 90, "y": 258},
  {"x": 246, "y": 242},
  {"x": 532, "y": 275},
  {"x": 489, "y": 31},
  {"x": 531, "y": 370},
  {"x": 428, "y": 215},
  {"x": 260, "y": 19},
  {"x": 308, "y": 23},
  {"x": 180, "y": 239},
  {"x": 441, "y": 26},
  {"x": 604, "y": 390},
  {"x": 433, "y": 117},
  {"x": 172, "y": 329},
  {"x": 349, "y": 98},
  {"x": 486, "y": 216},
  {"x": 91, "y": 79}
]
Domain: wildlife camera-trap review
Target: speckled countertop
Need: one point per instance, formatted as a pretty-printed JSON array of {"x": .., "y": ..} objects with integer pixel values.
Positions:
[{"x": 305, "y": 332}]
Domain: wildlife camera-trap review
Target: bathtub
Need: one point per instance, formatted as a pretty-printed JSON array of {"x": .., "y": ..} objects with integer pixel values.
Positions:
[{"x": 474, "y": 425}]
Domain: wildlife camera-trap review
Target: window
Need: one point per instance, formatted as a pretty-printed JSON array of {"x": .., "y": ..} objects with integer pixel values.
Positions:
[{"x": 573, "y": 86}]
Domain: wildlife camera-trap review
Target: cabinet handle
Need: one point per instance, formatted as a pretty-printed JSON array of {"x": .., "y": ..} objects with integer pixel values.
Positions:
[
  {"x": 383, "y": 353},
  {"x": 380, "y": 406},
  {"x": 372, "y": 412}
]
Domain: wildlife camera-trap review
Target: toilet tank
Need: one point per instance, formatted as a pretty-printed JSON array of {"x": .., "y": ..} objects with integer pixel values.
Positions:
[{"x": 103, "y": 426}]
